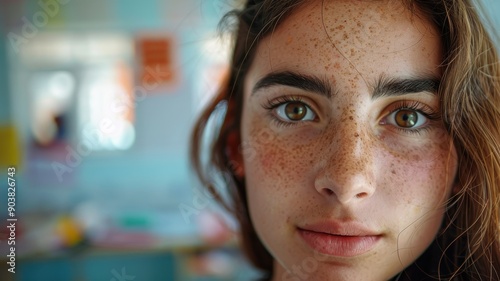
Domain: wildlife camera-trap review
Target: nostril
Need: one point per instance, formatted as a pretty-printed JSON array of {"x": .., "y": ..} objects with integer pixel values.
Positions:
[
  {"x": 361, "y": 195},
  {"x": 328, "y": 191}
]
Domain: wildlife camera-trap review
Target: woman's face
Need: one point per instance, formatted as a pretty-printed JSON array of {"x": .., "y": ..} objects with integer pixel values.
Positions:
[{"x": 347, "y": 164}]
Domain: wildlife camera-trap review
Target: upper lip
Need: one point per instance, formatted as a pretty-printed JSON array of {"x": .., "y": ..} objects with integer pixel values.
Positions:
[{"x": 348, "y": 228}]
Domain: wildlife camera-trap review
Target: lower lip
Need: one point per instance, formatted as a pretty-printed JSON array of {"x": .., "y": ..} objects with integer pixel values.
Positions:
[{"x": 340, "y": 246}]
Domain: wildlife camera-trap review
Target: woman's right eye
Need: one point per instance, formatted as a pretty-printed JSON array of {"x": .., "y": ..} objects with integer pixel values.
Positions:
[{"x": 294, "y": 111}]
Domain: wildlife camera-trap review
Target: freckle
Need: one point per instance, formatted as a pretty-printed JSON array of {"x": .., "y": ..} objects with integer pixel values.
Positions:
[
  {"x": 345, "y": 36},
  {"x": 351, "y": 118},
  {"x": 337, "y": 65},
  {"x": 393, "y": 172}
]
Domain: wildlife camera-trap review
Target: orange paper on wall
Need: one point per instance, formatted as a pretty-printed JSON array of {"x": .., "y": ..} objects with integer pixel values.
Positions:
[{"x": 156, "y": 56}]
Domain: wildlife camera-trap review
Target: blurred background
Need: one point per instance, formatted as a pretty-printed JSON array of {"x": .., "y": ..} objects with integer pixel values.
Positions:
[{"x": 97, "y": 99}]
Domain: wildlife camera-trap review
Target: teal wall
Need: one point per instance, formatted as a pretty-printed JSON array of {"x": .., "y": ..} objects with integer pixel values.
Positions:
[
  {"x": 158, "y": 159},
  {"x": 4, "y": 89},
  {"x": 492, "y": 8}
]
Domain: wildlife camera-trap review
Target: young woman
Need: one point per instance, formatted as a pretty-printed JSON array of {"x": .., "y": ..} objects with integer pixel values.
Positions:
[{"x": 361, "y": 140}]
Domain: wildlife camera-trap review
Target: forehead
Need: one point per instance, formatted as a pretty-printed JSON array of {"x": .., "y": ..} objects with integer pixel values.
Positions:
[{"x": 356, "y": 34}]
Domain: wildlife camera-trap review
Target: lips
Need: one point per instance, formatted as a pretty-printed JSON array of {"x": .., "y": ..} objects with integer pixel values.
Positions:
[{"x": 339, "y": 239}]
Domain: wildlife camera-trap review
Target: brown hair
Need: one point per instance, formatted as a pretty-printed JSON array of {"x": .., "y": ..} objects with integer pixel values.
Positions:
[{"x": 468, "y": 247}]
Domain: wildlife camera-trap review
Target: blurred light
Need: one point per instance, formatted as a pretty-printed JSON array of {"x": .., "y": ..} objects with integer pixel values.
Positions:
[
  {"x": 61, "y": 85},
  {"x": 218, "y": 48},
  {"x": 51, "y": 48},
  {"x": 44, "y": 128},
  {"x": 125, "y": 136},
  {"x": 106, "y": 109},
  {"x": 52, "y": 93},
  {"x": 216, "y": 53}
]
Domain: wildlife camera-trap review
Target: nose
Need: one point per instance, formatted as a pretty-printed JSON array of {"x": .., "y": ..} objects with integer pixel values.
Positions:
[{"x": 347, "y": 172}]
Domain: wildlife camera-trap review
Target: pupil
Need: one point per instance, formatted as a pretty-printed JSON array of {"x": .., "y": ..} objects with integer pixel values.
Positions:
[
  {"x": 295, "y": 111},
  {"x": 406, "y": 118}
]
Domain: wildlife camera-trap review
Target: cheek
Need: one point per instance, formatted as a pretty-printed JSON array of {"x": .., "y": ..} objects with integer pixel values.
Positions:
[
  {"x": 278, "y": 159},
  {"x": 425, "y": 174},
  {"x": 419, "y": 185},
  {"x": 276, "y": 172},
  {"x": 266, "y": 176}
]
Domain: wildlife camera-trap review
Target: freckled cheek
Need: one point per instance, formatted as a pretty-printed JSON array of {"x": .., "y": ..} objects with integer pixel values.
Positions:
[
  {"x": 422, "y": 178},
  {"x": 275, "y": 149},
  {"x": 272, "y": 172},
  {"x": 274, "y": 161}
]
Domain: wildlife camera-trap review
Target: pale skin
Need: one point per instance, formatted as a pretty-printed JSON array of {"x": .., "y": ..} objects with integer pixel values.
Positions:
[{"x": 352, "y": 151}]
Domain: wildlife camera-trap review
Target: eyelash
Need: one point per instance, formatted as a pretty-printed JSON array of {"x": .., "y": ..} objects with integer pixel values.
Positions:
[
  {"x": 425, "y": 110},
  {"x": 272, "y": 104}
]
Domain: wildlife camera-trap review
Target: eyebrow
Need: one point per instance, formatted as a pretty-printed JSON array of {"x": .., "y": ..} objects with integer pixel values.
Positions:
[
  {"x": 305, "y": 82},
  {"x": 386, "y": 87}
]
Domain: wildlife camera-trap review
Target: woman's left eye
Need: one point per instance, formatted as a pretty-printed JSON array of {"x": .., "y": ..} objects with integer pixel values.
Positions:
[
  {"x": 294, "y": 111},
  {"x": 406, "y": 118}
]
